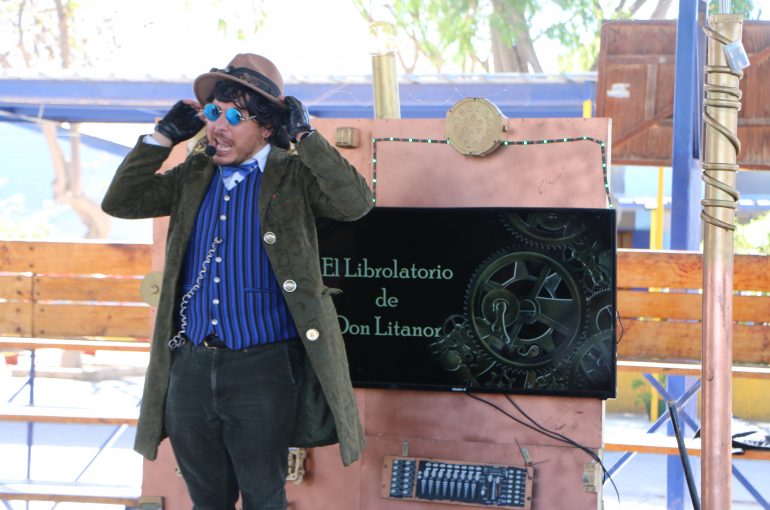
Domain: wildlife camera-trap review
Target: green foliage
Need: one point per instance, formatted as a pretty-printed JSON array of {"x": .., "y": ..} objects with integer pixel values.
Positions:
[
  {"x": 745, "y": 7},
  {"x": 18, "y": 223},
  {"x": 644, "y": 395},
  {"x": 441, "y": 30},
  {"x": 582, "y": 57},
  {"x": 753, "y": 238},
  {"x": 460, "y": 31},
  {"x": 31, "y": 31},
  {"x": 81, "y": 34},
  {"x": 241, "y": 19},
  {"x": 578, "y": 19}
]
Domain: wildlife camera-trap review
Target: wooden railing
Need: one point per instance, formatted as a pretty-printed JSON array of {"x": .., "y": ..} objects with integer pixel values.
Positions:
[
  {"x": 81, "y": 297},
  {"x": 659, "y": 302},
  {"x": 90, "y": 292},
  {"x": 86, "y": 296},
  {"x": 73, "y": 290},
  {"x": 660, "y": 306}
]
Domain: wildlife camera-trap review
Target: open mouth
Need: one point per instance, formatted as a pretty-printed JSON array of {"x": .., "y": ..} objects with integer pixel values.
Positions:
[{"x": 223, "y": 146}]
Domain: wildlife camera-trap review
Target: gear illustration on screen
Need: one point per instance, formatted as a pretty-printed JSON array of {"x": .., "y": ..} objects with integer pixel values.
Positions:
[
  {"x": 544, "y": 229},
  {"x": 591, "y": 366},
  {"x": 538, "y": 315},
  {"x": 525, "y": 309},
  {"x": 455, "y": 352},
  {"x": 523, "y": 319},
  {"x": 592, "y": 260}
]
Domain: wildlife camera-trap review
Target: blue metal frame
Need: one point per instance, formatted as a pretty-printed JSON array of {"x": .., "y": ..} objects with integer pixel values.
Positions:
[
  {"x": 673, "y": 497},
  {"x": 686, "y": 189},
  {"x": 30, "y": 382},
  {"x": 686, "y": 184},
  {"x": 77, "y": 100},
  {"x": 662, "y": 420},
  {"x": 688, "y": 91}
]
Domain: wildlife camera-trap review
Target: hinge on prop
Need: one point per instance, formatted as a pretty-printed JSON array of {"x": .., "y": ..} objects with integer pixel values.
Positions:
[{"x": 296, "y": 472}]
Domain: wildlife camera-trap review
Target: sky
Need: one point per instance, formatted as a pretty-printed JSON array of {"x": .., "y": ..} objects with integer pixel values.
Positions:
[
  {"x": 327, "y": 38},
  {"x": 177, "y": 39},
  {"x": 181, "y": 38}
]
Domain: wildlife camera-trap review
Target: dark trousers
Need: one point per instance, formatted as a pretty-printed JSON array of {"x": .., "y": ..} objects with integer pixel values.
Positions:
[{"x": 229, "y": 415}]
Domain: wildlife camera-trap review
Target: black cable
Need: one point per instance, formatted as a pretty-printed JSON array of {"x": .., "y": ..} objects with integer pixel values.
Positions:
[
  {"x": 548, "y": 433},
  {"x": 683, "y": 454},
  {"x": 563, "y": 438},
  {"x": 622, "y": 328},
  {"x": 569, "y": 441}
]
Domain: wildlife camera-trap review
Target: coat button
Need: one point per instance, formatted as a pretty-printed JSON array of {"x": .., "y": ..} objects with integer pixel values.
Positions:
[
  {"x": 289, "y": 285},
  {"x": 269, "y": 238},
  {"x": 312, "y": 334}
]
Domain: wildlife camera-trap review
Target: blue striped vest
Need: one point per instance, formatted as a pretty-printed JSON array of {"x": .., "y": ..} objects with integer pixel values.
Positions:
[{"x": 237, "y": 297}]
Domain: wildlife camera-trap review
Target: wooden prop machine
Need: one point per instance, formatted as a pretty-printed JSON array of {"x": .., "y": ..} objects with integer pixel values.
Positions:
[{"x": 478, "y": 309}]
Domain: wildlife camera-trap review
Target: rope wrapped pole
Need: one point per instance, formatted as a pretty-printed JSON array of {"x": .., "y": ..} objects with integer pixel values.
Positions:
[{"x": 722, "y": 103}]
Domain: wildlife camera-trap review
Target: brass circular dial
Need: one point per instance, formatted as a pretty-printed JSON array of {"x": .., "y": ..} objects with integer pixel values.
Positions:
[{"x": 474, "y": 126}]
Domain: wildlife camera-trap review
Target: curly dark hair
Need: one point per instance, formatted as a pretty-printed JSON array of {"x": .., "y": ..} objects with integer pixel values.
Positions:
[{"x": 266, "y": 113}]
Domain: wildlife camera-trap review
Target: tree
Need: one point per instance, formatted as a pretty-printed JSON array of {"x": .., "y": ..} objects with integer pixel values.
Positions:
[
  {"x": 502, "y": 35},
  {"x": 39, "y": 47},
  {"x": 47, "y": 35},
  {"x": 53, "y": 34},
  {"x": 753, "y": 237}
]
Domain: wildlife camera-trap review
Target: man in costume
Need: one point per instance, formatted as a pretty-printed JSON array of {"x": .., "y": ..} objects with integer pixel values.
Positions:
[{"x": 247, "y": 356}]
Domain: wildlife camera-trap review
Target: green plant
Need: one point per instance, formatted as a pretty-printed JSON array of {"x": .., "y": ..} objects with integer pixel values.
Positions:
[
  {"x": 644, "y": 395},
  {"x": 753, "y": 237}
]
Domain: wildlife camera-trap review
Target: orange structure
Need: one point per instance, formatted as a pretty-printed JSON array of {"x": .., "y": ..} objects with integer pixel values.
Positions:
[{"x": 405, "y": 166}]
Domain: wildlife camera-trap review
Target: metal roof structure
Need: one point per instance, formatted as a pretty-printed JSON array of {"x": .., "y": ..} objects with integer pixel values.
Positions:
[{"x": 112, "y": 100}]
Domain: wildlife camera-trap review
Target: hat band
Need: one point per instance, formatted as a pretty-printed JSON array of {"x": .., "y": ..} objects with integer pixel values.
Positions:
[{"x": 251, "y": 77}]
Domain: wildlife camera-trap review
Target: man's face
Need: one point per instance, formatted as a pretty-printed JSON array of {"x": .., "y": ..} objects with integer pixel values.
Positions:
[{"x": 235, "y": 143}]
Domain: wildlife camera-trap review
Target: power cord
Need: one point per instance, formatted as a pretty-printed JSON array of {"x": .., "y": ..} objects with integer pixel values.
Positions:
[
  {"x": 533, "y": 425},
  {"x": 178, "y": 339}
]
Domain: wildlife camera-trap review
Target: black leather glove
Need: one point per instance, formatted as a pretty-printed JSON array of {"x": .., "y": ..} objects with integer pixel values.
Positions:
[
  {"x": 180, "y": 123},
  {"x": 299, "y": 118}
]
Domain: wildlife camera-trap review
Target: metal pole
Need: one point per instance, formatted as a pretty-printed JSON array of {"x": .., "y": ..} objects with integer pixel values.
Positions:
[
  {"x": 686, "y": 187},
  {"x": 685, "y": 159},
  {"x": 384, "y": 76},
  {"x": 722, "y": 146},
  {"x": 386, "y": 100}
]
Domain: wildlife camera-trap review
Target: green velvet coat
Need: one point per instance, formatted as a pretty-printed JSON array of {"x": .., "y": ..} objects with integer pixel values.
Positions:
[{"x": 317, "y": 182}]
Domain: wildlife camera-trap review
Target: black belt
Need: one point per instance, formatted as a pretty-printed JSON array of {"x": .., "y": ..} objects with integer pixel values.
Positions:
[{"x": 214, "y": 343}]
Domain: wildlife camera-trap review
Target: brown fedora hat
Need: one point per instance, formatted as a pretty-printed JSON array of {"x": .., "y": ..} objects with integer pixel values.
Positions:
[{"x": 254, "y": 72}]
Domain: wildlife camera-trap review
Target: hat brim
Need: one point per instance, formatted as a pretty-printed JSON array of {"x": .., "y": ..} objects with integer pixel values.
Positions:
[{"x": 204, "y": 84}]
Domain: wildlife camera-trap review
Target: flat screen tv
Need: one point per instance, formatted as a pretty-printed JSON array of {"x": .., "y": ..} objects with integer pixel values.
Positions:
[{"x": 504, "y": 300}]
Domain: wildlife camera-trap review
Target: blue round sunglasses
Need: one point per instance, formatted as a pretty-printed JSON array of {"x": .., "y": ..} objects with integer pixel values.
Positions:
[{"x": 233, "y": 115}]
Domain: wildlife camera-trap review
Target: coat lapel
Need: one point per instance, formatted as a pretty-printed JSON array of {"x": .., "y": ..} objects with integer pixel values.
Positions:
[
  {"x": 275, "y": 171},
  {"x": 190, "y": 201}
]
